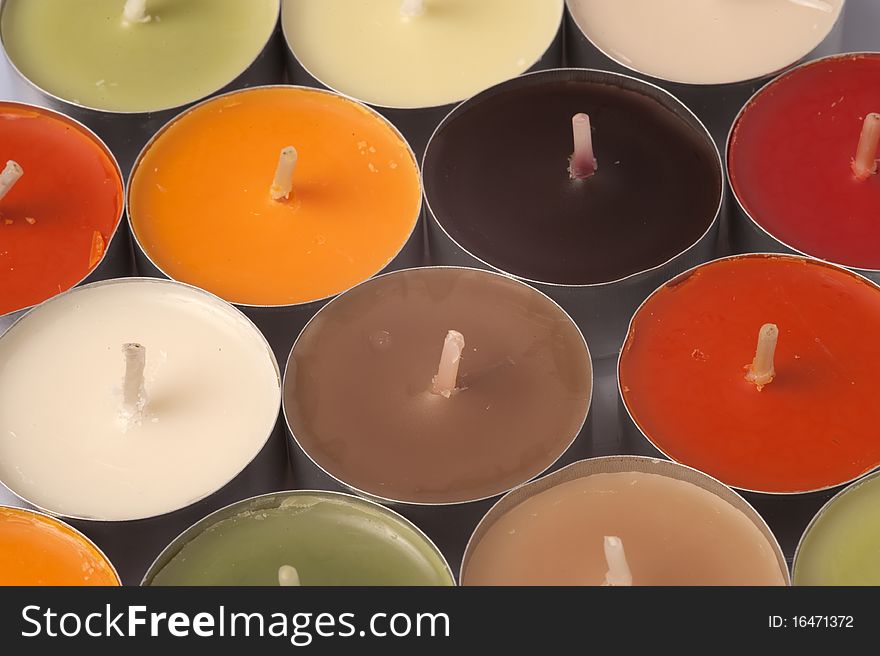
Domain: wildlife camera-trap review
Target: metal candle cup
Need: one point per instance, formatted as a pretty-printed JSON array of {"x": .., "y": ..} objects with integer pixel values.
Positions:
[
  {"x": 116, "y": 260},
  {"x": 126, "y": 132},
  {"x": 402, "y": 532},
  {"x": 282, "y": 323},
  {"x": 749, "y": 232},
  {"x": 523, "y": 395},
  {"x": 715, "y": 104},
  {"x": 790, "y": 503},
  {"x": 601, "y": 309},
  {"x": 621, "y": 465},
  {"x": 131, "y": 542},
  {"x": 416, "y": 123}
]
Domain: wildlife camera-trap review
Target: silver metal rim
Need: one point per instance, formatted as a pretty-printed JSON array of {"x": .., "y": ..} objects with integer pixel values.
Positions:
[
  {"x": 212, "y": 298},
  {"x": 400, "y": 502}
]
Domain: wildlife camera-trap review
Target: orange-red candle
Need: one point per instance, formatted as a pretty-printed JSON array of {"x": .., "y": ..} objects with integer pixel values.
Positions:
[
  {"x": 57, "y": 219},
  {"x": 684, "y": 373},
  {"x": 38, "y": 550},
  {"x": 202, "y": 206}
]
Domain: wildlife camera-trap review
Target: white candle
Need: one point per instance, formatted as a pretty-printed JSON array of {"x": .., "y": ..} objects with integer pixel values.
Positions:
[
  {"x": 212, "y": 399},
  {"x": 706, "y": 41}
]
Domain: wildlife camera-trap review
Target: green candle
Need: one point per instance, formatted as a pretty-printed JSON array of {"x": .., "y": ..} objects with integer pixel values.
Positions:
[
  {"x": 307, "y": 538},
  {"x": 135, "y": 56},
  {"x": 842, "y": 544}
]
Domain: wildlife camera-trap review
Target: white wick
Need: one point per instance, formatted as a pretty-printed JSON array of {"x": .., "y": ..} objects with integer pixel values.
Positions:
[
  {"x": 135, "y": 11},
  {"x": 821, "y": 5},
  {"x": 582, "y": 163},
  {"x": 761, "y": 372},
  {"x": 282, "y": 185},
  {"x": 9, "y": 177},
  {"x": 618, "y": 573},
  {"x": 134, "y": 395},
  {"x": 288, "y": 576},
  {"x": 450, "y": 359},
  {"x": 865, "y": 163},
  {"x": 412, "y": 8}
]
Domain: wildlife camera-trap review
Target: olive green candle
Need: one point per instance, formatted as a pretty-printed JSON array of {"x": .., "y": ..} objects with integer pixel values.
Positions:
[{"x": 327, "y": 538}]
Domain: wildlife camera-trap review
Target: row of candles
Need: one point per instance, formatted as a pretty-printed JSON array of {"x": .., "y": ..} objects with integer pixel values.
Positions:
[{"x": 278, "y": 199}]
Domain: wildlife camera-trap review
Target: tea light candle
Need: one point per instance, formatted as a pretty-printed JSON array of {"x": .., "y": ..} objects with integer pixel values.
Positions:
[
  {"x": 457, "y": 385},
  {"x": 69, "y": 441},
  {"x": 203, "y": 211},
  {"x": 126, "y": 56},
  {"x": 623, "y": 521},
  {"x": 302, "y": 538},
  {"x": 61, "y": 202},
  {"x": 502, "y": 185},
  {"x": 802, "y": 163},
  {"x": 687, "y": 373},
  {"x": 418, "y": 53},
  {"x": 40, "y": 550},
  {"x": 841, "y": 544}
]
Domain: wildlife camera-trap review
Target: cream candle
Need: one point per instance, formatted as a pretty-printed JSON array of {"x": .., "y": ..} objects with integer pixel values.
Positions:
[
  {"x": 68, "y": 442},
  {"x": 623, "y": 520}
]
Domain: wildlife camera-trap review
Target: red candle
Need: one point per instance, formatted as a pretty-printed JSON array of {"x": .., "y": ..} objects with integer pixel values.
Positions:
[
  {"x": 57, "y": 218},
  {"x": 791, "y": 160},
  {"x": 687, "y": 372}
]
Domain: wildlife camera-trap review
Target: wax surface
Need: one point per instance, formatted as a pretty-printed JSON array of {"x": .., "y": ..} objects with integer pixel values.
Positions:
[
  {"x": 329, "y": 540},
  {"x": 841, "y": 547},
  {"x": 524, "y": 379},
  {"x": 212, "y": 400},
  {"x": 200, "y": 203},
  {"x": 497, "y": 179},
  {"x": 705, "y": 41},
  {"x": 673, "y": 532},
  {"x": 70, "y": 190},
  {"x": 791, "y": 155},
  {"x": 367, "y": 49},
  {"x": 39, "y": 550},
  {"x": 682, "y": 373},
  {"x": 83, "y": 52}
]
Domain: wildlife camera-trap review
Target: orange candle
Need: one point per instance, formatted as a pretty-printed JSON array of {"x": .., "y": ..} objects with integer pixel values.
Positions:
[
  {"x": 58, "y": 216},
  {"x": 208, "y": 205},
  {"x": 38, "y": 550}
]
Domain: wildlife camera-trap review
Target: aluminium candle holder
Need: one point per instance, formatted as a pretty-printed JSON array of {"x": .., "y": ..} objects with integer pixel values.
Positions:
[
  {"x": 601, "y": 310},
  {"x": 715, "y": 104},
  {"x": 116, "y": 262},
  {"x": 127, "y": 132}
]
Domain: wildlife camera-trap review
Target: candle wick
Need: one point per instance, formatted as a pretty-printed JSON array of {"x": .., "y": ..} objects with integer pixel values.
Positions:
[
  {"x": 412, "y": 8},
  {"x": 134, "y": 396},
  {"x": 865, "y": 163},
  {"x": 135, "y": 11},
  {"x": 282, "y": 185},
  {"x": 447, "y": 372},
  {"x": 762, "y": 371},
  {"x": 9, "y": 177},
  {"x": 288, "y": 576},
  {"x": 618, "y": 573},
  {"x": 582, "y": 164}
]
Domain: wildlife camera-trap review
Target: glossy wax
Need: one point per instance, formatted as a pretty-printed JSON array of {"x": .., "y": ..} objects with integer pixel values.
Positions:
[
  {"x": 791, "y": 154},
  {"x": 358, "y": 398},
  {"x": 330, "y": 540},
  {"x": 673, "y": 532},
  {"x": 38, "y": 550},
  {"x": 84, "y": 53},
  {"x": 369, "y": 50},
  {"x": 496, "y": 177},
  {"x": 70, "y": 190},
  {"x": 201, "y": 208},
  {"x": 212, "y": 394},
  {"x": 682, "y": 373},
  {"x": 841, "y": 547},
  {"x": 706, "y": 41}
]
